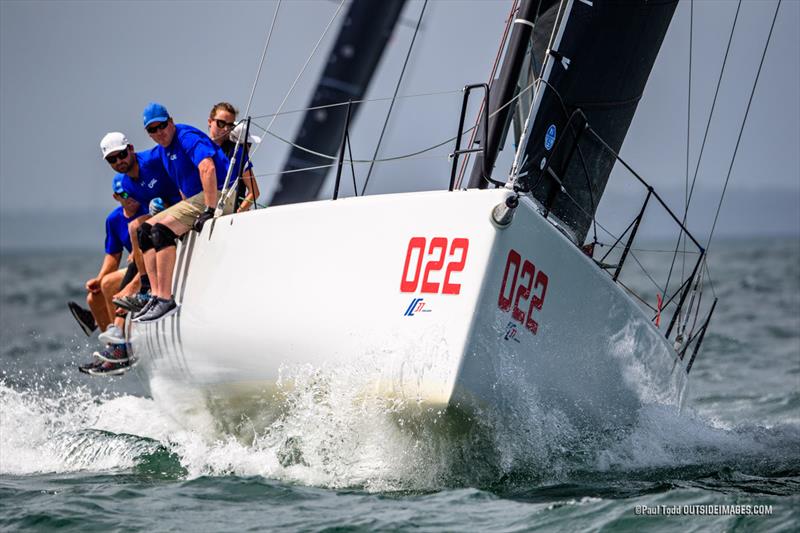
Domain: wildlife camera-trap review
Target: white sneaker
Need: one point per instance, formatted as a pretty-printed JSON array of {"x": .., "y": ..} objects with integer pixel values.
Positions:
[{"x": 112, "y": 335}]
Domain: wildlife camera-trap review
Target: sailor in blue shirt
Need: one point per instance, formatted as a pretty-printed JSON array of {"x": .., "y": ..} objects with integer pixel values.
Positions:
[
  {"x": 199, "y": 168},
  {"x": 102, "y": 288},
  {"x": 145, "y": 178}
]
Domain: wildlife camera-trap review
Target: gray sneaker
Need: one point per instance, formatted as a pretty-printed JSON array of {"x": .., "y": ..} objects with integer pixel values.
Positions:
[
  {"x": 161, "y": 309},
  {"x": 145, "y": 309},
  {"x": 131, "y": 303},
  {"x": 112, "y": 335}
]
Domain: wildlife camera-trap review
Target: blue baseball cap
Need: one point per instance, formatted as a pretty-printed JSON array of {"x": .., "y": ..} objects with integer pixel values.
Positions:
[
  {"x": 154, "y": 112},
  {"x": 116, "y": 185}
]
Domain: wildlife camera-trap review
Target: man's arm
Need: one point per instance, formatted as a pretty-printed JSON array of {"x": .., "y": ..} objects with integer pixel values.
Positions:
[
  {"x": 110, "y": 264},
  {"x": 252, "y": 190},
  {"x": 208, "y": 178}
]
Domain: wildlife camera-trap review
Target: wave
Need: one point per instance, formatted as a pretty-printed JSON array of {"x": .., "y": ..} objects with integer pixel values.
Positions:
[{"x": 330, "y": 435}]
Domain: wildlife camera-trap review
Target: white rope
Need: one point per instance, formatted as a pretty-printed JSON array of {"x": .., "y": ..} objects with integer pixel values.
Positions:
[
  {"x": 325, "y": 32},
  {"x": 385, "y": 159},
  {"x": 263, "y": 56},
  {"x": 362, "y": 101},
  {"x": 225, "y": 193}
]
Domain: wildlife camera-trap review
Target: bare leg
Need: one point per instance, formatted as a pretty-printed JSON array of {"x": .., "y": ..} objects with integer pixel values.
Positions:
[
  {"x": 165, "y": 263},
  {"x": 150, "y": 265},
  {"x": 109, "y": 286},
  {"x": 97, "y": 305},
  {"x": 133, "y": 227}
]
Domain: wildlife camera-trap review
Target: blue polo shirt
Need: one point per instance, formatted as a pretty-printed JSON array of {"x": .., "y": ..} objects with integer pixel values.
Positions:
[
  {"x": 117, "y": 236},
  {"x": 153, "y": 181},
  {"x": 188, "y": 148}
]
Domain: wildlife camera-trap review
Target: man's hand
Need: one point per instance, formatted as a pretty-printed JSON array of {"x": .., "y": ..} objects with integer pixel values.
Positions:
[
  {"x": 201, "y": 219},
  {"x": 93, "y": 285}
]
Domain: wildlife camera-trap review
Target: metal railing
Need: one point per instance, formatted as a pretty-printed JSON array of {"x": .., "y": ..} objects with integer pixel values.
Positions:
[{"x": 686, "y": 286}]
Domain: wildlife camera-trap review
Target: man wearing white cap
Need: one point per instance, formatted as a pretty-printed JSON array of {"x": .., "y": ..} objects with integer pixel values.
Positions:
[{"x": 146, "y": 179}]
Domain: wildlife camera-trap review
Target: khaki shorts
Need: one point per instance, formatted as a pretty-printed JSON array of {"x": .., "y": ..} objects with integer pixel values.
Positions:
[{"x": 188, "y": 210}]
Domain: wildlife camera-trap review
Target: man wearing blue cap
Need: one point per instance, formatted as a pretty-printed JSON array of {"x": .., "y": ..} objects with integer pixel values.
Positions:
[
  {"x": 198, "y": 167},
  {"x": 101, "y": 288}
]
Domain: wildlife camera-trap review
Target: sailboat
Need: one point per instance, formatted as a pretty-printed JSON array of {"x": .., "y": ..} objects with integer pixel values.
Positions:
[{"x": 471, "y": 299}]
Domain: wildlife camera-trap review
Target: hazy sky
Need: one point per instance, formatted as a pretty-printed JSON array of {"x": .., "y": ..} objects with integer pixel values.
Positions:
[{"x": 72, "y": 71}]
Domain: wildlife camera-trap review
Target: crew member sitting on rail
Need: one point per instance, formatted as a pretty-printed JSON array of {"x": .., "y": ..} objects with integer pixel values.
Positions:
[
  {"x": 198, "y": 167},
  {"x": 145, "y": 178},
  {"x": 221, "y": 122},
  {"x": 102, "y": 287}
]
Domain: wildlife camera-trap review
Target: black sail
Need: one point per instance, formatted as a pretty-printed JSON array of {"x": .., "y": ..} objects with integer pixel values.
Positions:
[
  {"x": 598, "y": 65},
  {"x": 533, "y": 25},
  {"x": 351, "y": 65}
]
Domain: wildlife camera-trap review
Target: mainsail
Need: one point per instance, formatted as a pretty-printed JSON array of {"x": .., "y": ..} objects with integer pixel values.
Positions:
[
  {"x": 595, "y": 72},
  {"x": 351, "y": 64}
]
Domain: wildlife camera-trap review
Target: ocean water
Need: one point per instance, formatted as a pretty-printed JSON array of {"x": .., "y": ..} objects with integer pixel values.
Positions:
[{"x": 84, "y": 454}]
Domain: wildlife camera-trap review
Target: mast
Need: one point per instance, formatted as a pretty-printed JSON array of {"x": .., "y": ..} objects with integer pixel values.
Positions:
[
  {"x": 533, "y": 26},
  {"x": 353, "y": 60},
  {"x": 594, "y": 74}
]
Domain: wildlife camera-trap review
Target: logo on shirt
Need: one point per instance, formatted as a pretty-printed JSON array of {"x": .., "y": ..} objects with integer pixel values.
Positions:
[
  {"x": 173, "y": 157},
  {"x": 152, "y": 183}
]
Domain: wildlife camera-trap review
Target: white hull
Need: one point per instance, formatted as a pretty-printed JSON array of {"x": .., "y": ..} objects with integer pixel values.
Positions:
[{"x": 321, "y": 284}]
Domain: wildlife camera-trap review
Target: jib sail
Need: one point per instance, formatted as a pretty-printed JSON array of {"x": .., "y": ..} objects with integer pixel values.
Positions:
[{"x": 595, "y": 71}]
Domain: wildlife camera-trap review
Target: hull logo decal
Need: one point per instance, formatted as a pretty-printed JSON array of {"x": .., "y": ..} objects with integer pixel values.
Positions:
[{"x": 417, "y": 305}]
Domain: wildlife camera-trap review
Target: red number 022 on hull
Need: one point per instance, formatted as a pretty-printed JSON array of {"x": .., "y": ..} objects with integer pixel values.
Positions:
[
  {"x": 437, "y": 257},
  {"x": 520, "y": 281}
]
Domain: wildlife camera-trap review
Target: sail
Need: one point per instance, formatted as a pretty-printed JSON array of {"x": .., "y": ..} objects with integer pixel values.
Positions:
[
  {"x": 533, "y": 26},
  {"x": 598, "y": 63},
  {"x": 352, "y": 62}
]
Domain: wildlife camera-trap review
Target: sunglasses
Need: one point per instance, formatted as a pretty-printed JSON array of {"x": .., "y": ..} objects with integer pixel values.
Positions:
[
  {"x": 157, "y": 127},
  {"x": 221, "y": 124},
  {"x": 123, "y": 195},
  {"x": 123, "y": 155}
]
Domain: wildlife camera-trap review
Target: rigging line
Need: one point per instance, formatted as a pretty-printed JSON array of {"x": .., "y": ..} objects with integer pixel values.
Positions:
[
  {"x": 744, "y": 121},
  {"x": 394, "y": 97},
  {"x": 649, "y": 250},
  {"x": 321, "y": 37},
  {"x": 451, "y": 139},
  {"x": 509, "y": 23},
  {"x": 331, "y": 165},
  {"x": 655, "y": 284},
  {"x": 263, "y": 56},
  {"x": 352, "y": 167},
  {"x": 635, "y": 295},
  {"x": 705, "y": 134},
  {"x": 362, "y": 101},
  {"x": 688, "y": 133},
  {"x": 383, "y": 160}
]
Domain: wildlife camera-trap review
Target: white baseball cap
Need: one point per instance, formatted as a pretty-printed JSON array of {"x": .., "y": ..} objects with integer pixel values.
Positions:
[
  {"x": 113, "y": 142},
  {"x": 238, "y": 132}
]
